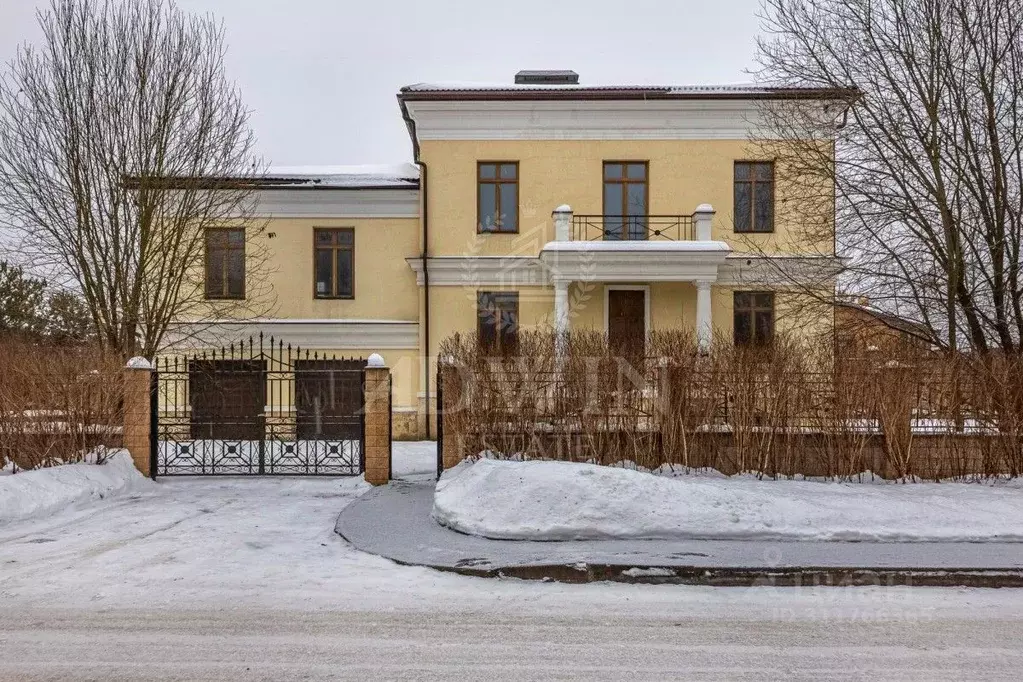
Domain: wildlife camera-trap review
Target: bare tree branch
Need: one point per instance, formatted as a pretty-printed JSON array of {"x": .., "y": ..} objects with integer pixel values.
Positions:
[
  {"x": 927, "y": 169},
  {"x": 120, "y": 90}
]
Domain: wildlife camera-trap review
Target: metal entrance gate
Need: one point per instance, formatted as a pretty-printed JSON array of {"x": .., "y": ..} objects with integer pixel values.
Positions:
[{"x": 259, "y": 407}]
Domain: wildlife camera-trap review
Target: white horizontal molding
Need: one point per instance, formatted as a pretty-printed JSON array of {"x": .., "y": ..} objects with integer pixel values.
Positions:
[
  {"x": 477, "y": 271},
  {"x": 337, "y": 203},
  {"x": 589, "y": 120},
  {"x": 633, "y": 262},
  {"x": 368, "y": 335},
  {"x": 745, "y": 269}
]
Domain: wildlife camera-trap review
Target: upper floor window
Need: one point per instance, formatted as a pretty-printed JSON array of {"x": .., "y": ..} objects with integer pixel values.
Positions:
[
  {"x": 498, "y": 196},
  {"x": 498, "y": 320},
  {"x": 625, "y": 200},
  {"x": 754, "y": 317},
  {"x": 334, "y": 262},
  {"x": 754, "y": 196},
  {"x": 225, "y": 263}
]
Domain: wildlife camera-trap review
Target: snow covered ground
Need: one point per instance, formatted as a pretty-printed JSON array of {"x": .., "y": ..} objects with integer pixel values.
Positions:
[
  {"x": 39, "y": 493},
  {"x": 564, "y": 501},
  {"x": 415, "y": 460},
  {"x": 245, "y": 579}
]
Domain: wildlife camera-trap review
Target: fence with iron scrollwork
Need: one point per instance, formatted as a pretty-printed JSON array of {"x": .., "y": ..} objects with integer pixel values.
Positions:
[{"x": 261, "y": 406}]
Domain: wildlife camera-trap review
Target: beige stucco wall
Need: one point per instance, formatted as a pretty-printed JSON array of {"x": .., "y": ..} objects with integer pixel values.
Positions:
[
  {"x": 385, "y": 287},
  {"x": 682, "y": 175},
  {"x": 672, "y": 306},
  {"x": 454, "y": 310},
  {"x": 279, "y": 276}
]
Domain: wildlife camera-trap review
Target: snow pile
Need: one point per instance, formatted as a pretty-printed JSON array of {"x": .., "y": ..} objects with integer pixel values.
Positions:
[
  {"x": 566, "y": 501},
  {"x": 39, "y": 493}
]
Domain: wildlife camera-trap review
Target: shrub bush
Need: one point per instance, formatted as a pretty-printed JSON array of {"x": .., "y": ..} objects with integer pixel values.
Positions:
[
  {"x": 57, "y": 402},
  {"x": 791, "y": 408}
]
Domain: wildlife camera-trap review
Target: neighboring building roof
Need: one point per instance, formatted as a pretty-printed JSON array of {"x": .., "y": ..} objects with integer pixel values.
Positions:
[
  {"x": 891, "y": 320},
  {"x": 503, "y": 91},
  {"x": 399, "y": 176},
  {"x": 386, "y": 176}
]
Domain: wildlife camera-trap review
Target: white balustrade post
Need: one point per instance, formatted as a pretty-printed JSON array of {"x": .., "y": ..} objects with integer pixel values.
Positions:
[
  {"x": 704, "y": 323},
  {"x": 562, "y": 223},
  {"x": 702, "y": 218}
]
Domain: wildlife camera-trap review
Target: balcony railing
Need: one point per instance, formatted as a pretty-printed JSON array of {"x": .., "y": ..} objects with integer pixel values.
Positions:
[{"x": 632, "y": 227}]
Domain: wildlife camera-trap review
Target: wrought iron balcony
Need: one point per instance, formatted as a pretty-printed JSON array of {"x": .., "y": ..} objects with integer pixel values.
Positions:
[{"x": 632, "y": 228}]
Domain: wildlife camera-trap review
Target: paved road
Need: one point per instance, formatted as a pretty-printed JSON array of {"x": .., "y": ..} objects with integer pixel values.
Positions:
[
  {"x": 245, "y": 579},
  {"x": 254, "y": 645}
]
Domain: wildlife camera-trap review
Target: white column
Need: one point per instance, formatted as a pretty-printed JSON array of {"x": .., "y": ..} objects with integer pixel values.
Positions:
[
  {"x": 561, "y": 324},
  {"x": 704, "y": 324},
  {"x": 702, "y": 218},
  {"x": 562, "y": 223}
]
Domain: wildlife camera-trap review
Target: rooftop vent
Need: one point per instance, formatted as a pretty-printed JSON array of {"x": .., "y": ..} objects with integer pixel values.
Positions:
[{"x": 555, "y": 77}]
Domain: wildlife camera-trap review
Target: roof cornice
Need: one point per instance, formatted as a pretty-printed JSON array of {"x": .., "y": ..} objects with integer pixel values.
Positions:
[
  {"x": 510, "y": 94},
  {"x": 664, "y": 119}
]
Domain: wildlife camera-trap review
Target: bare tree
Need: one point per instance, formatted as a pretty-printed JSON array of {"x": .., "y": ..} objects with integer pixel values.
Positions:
[
  {"x": 121, "y": 142},
  {"x": 924, "y": 181}
]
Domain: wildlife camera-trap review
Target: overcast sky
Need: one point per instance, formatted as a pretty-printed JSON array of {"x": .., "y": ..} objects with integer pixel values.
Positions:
[{"x": 321, "y": 75}]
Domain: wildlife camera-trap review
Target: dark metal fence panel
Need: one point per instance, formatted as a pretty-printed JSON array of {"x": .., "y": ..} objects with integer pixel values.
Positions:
[
  {"x": 154, "y": 422},
  {"x": 260, "y": 407}
]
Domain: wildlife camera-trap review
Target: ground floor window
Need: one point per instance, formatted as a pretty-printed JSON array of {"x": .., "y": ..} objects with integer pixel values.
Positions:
[
  {"x": 754, "y": 317},
  {"x": 498, "y": 320}
]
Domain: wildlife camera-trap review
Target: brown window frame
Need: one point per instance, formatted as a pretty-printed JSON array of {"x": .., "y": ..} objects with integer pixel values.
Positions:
[
  {"x": 497, "y": 181},
  {"x": 625, "y": 182},
  {"x": 752, "y": 311},
  {"x": 225, "y": 287},
  {"x": 334, "y": 248},
  {"x": 506, "y": 341},
  {"x": 753, "y": 183}
]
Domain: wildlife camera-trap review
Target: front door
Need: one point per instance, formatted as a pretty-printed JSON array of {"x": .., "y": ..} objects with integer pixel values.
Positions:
[{"x": 626, "y": 324}]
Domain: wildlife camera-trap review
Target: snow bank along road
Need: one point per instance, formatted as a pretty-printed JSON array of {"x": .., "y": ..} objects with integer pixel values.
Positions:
[
  {"x": 245, "y": 579},
  {"x": 508, "y": 500}
]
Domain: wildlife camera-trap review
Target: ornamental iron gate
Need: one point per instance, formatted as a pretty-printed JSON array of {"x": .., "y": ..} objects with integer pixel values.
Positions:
[{"x": 259, "y": 407}]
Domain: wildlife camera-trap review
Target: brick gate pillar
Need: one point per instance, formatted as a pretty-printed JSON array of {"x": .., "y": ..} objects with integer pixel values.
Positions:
[
  {"x": 377, "y": 408},
  {"x": 137, "y": 416}
]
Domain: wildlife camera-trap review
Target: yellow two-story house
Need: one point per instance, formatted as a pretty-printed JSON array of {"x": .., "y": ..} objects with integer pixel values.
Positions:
[{"x": 541, "y": 201}]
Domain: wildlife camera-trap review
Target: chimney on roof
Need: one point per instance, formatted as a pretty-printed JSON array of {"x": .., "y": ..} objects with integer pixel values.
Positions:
[{"x": 547, "y": 77}]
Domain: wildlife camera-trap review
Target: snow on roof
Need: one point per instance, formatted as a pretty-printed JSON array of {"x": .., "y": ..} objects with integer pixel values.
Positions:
[{"x": 401, "y": 175}]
